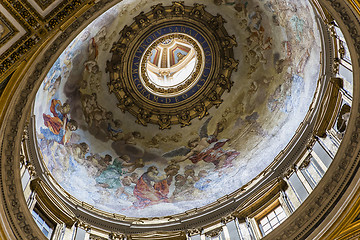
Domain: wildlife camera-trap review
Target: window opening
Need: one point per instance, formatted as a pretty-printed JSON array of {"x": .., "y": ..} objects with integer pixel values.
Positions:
[
  {"x": 317, "y": 167},
  {"x": 272, "y": 220},
  {"x": 311, "y": 173},
  {"x": 25, "y": 179},
  {"x": 323, "y": 154},
  {"x": 298, "y": 187},
  {"x": 43, "y": 223}
]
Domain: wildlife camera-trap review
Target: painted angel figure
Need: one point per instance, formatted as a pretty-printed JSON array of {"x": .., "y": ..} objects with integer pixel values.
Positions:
[{"x": 205, "y": 147}]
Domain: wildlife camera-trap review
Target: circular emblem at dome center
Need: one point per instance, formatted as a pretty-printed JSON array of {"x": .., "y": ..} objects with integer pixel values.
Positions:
[{"x": 172, "y": 65}]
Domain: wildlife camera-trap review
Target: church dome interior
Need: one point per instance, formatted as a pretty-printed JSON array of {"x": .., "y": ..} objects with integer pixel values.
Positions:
[
  {"x": 103, "y": 160},
  {"x": 211, "y": 120}
]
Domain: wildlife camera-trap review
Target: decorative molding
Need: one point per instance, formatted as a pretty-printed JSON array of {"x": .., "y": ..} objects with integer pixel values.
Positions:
[
  {"x": 194, "y": 231},
  {"x": 54, "y": 204},
  {"x": 157, "y": 235},
  {"x": 214, "y": 233}
]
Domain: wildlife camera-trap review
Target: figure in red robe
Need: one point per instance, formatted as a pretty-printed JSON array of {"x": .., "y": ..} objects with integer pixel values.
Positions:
[
  {"x": 151, "y": 188},
  {"x": 58, "y": 126},
  {"x": 59, "y": 112}
]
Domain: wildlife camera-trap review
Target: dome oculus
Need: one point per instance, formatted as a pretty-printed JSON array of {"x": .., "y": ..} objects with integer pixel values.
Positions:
[
  {"x": 164, "y": 79},
  {"x": 181, "y": 60},
  {"x": 173, "y": 64}
]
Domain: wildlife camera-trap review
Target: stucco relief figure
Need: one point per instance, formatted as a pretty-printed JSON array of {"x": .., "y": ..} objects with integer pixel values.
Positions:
[
  {"x": 59, "y": 127},
  {"x": 205, "y": 148}
]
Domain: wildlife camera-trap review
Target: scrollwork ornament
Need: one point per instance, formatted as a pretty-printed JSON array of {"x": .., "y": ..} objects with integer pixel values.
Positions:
[
  {"x": 178, "y": 8},
  {"x": 215, "y": 99},
  {"x": 228, "y": 219},
  {"x": 230, "y": 64},
  {"x": 118, "y": 48},
  {"x": 143, "y": 116},
  {"x": 184, "y": 118},
  {"x": 158, "y": 11},
  {"x": 125, "y": 103},
  {"x": 142, "y": 20},
  {"x": 194, "y": 231},
  {"x": 225, "y": 82},
  {"x": 214, "y": 233},
  {"x": 198, "y": 10},
  {"x": 201, "y": 110},
  {"x": 127, "y": 33},
  {"x": 31, "y": 169},
  {"x": 111, "y": 66},
  {"x": 217, "y": 21},
  {"x": 117, "y": 236},
  {"x": 81, "y": 224},
  {"x": 305, "y": 163},
  {"x": 164, "y": 121},
  {"x": 115, "y": 86},
  {"x": 229, "y": 42},
  {"x": 288, "y": 172}
]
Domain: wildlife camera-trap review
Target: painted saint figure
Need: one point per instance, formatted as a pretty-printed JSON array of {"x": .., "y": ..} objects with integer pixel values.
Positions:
[
  {"x": 110, "y": 177},
  {"x": 59, "y": 127},
  {"x": 151, "y": 188}
]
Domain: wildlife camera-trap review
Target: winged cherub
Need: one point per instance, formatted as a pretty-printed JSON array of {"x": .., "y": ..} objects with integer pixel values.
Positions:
[{"x": 205, "y": 147}]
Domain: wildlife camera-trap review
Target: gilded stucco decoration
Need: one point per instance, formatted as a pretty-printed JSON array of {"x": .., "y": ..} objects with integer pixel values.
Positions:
[
  {"x": 211, "y": 76},
  {"x": 25, "y": 25},
  {"x": 7, "y": 30}
]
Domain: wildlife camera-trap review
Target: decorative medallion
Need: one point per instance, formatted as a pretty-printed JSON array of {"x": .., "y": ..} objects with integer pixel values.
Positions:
[{"x": 172, "y": 65}]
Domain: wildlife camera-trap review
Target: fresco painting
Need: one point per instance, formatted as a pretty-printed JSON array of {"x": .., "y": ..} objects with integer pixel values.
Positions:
[{"x": 100, "y": 155}]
